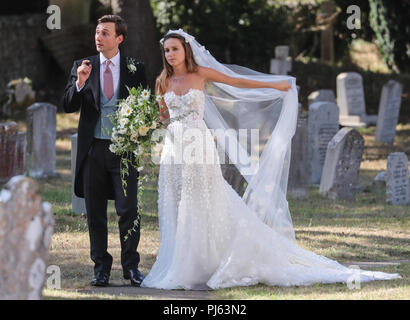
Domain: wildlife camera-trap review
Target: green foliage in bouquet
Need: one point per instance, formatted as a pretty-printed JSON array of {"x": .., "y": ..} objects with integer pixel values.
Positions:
[{"x": 137, "y": 137}]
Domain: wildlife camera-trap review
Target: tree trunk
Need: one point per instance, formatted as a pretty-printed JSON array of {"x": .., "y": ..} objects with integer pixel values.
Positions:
[{"x": 141, "y": 41}]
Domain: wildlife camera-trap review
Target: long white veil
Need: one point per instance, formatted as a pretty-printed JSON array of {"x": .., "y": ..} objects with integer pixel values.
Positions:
[{"x": 265, "y": 165}]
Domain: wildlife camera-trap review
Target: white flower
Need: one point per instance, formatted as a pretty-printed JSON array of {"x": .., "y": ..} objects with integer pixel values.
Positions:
[
  {"x": 154, "y": 125},
  {"x": 122, "y": 131},
  {"x": 140, "y": 168},
  {"x": 124, "y": 122},
  {"x": 113, "y": 148},
  {"x": 139, "y": 151},
  {"x": 131, "y": 100},
  {"x": 122, "y": 105},
  {"x": 132, "y": 68},
  {"x": 143, "y": 130},
  {"x": 131, "y": 65},
  {"x": 134, "y": 136},
  {"x": 158, "y": 98},
  {"x": 145, "y": 94},
  {"x": 125, "y": 110}
]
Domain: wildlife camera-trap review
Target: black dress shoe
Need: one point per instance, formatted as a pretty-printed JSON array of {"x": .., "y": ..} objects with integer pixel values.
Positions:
[
  {"x": 135, "y": 277},
  {"x": 100, "y": 279}
]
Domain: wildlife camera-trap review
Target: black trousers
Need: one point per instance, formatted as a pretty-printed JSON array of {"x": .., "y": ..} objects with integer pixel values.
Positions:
[{"x": 101, "y": 174}]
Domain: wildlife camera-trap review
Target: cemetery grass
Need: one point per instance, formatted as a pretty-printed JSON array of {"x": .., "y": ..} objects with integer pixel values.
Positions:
[{"x": 365, "y": 229}]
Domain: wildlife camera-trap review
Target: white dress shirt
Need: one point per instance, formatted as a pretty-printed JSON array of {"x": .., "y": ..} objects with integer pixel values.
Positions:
[{"x": 115, "y": 69}]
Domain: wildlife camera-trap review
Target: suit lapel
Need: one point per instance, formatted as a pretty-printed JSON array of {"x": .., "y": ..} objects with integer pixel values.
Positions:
[
  {"x": 95, "y": 80},
  {"x": 124, "y": 77}
]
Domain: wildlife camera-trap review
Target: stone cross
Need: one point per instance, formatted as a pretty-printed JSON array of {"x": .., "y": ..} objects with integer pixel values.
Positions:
[{"x": 282, "y": 64}]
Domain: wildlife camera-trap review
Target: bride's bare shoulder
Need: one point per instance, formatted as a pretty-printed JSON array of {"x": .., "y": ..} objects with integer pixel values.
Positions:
[{"x": 203, "y": 71}]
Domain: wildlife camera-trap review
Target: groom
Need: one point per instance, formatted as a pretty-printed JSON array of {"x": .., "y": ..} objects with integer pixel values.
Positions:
[{"x": 94, "y": 86}]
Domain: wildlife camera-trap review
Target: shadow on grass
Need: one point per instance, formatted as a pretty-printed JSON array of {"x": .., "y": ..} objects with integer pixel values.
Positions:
[
  {"x": 374, "y": 248},
  {"x": 368, "y": 290}
]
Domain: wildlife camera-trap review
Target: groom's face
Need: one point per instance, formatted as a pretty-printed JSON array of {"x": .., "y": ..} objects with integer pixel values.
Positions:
[{"x": 106, "y": 39}]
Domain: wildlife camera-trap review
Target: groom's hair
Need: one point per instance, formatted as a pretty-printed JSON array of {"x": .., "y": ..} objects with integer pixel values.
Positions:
[{"x": 120, "y": 24}]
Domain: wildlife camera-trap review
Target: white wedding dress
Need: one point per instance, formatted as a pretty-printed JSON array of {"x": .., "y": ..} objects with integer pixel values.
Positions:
[{"x": 209, "y": 237}]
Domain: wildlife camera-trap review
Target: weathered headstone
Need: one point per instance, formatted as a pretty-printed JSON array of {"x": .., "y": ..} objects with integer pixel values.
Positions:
[
  {"x": 40, "y": 158},
  {"x": 322, "y": 95},
  {"x": 77, "y": 204},
  {"x": 26, "y": 228},
  {"x": 12, "y": 144},
  {"x": 282, "y": 63},
  {"x": 341, "y": 170},
  {"x": 351, "y": 101},
  {"x": 389, "y": 108},
  {"x": 397, "y": 178},
  {"x": 299, "y": 171},
  {"x": 323, "y": 124}
]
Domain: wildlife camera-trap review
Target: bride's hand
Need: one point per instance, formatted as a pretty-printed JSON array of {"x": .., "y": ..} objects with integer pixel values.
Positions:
[{"x": 282, "y": 85}]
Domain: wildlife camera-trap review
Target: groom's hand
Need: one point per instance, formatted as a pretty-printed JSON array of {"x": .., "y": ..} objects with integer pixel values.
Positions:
[{"x": 83, "y": 72}]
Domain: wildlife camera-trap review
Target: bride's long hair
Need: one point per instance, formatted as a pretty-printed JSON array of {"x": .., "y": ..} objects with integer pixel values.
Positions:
[{"x": 167, "y": 70}]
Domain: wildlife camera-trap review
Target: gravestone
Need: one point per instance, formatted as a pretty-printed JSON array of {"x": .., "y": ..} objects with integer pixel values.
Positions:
[
  {"x": 341, "y": 170},
  {"x": 299, "y": 171},
  {"x": 389, "y": 108},
  {"x": 12, "y": 145},
  {"x": 397, "y": 178},
  {"x": 26, "y": 228},
  {"x": 77, "y": 204},
  {"x": 322, "y": 95},
  {"x": 323, "y": 124},
  {"x": 351, "y": 101},
  {"x": 282, "y": 63},
  {"x": 40, "y": 158}
]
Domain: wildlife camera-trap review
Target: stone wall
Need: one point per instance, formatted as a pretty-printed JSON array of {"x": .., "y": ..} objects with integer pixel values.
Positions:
[{"x": 20, "y": 50}]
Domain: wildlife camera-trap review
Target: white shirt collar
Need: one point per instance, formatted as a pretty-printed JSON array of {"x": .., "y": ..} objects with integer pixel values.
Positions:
[{"x": 114, "y": 60}]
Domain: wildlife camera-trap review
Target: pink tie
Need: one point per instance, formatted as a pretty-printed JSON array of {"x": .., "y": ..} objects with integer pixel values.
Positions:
[{"x": 108, "y": 82}]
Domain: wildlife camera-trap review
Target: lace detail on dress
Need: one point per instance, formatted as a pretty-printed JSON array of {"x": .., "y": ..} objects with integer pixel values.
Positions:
[{"x": 186, "y": 107}]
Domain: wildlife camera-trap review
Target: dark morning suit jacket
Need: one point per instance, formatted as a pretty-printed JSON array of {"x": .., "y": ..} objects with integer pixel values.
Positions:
[{"x": 88, "y": 100}]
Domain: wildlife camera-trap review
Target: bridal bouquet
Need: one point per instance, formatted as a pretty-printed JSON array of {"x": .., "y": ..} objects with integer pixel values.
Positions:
[{"x": 134, "y": 135}]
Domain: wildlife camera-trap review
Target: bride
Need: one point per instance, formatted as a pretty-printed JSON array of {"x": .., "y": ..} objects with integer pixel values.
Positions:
[{"x": 210, "y": 237}]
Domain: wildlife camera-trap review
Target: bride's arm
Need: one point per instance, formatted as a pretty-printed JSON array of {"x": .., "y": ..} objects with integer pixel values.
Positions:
[
  {"x": 212, "y": 75},
  {"x": 163, "y": 109}
]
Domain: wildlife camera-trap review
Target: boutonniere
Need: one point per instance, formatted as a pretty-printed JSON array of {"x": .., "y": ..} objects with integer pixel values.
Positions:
[{"x": 131, "y": 65}]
